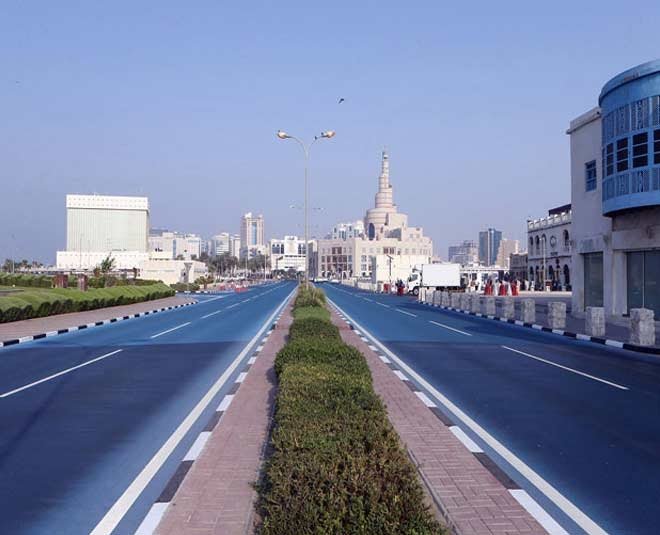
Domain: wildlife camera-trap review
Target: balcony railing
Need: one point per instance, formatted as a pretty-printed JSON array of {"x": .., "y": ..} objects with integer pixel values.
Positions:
[{"x": 550, "y": 221}]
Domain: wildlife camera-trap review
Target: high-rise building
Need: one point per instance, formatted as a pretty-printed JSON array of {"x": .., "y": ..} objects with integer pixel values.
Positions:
[
  {"x": 102, "y": 225},
  {"x": 489, "y": 245},
  {"x": 252, "y": 235},
  {"x": 235, "y": 245},
  {"x": 219, "y": 244},
  {"x": 466, "y": 253},
  {"x": 175, "y": 244},
  {"x": 505, "y": 250}
]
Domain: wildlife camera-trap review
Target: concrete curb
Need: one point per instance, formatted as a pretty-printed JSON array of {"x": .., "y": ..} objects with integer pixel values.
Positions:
[
  {"x": 577, "y": 336},
  {"x": 30, "y": 338}
]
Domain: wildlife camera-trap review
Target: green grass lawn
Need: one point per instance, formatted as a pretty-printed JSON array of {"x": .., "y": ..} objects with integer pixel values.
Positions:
[{"x": 29, "y": 302}]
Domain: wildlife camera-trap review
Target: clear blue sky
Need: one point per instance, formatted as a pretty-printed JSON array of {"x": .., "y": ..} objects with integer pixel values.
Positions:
[{"x": 180, "y": 101}]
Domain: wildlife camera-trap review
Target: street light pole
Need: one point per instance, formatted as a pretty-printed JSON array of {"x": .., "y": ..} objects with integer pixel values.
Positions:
[{"x": 306, "y": 148}]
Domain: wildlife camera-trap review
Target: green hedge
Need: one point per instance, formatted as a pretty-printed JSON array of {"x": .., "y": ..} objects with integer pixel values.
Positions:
[
  {"x": 37, "y": 303},
  {"x": 25, "y": 280},
  {"x": 337, "y": 465},
  {"x": 185, "y": 287}
]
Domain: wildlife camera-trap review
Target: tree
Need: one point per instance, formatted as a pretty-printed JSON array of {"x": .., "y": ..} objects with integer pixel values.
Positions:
[{"x": 107, "y": 265}]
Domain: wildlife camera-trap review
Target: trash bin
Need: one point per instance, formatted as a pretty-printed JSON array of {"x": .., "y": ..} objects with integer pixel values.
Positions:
[
  {"x": 399, "y": 290},
  {"x": 386, "y": 288}
]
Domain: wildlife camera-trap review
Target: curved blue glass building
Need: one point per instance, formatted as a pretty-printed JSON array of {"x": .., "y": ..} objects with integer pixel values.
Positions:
[{"x": 630, "y": 111}]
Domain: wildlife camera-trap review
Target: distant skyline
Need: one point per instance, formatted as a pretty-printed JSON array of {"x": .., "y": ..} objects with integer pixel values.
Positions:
[{"x": 181, "y": 105}]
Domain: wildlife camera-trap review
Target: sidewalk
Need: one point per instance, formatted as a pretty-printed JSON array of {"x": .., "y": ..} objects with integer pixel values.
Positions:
[
  {"x": 33, "y": 327},
  {"x": 472, "y": 499},
  {"x": 217, "y": 497}
]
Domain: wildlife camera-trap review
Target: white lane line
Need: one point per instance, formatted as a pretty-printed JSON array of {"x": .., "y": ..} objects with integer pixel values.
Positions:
[
  {"x": 68, "y": 370},
  {"x": 367, "y": 299},
  {"x": 556, "y": 497},
  {"x": 234, "y": 305},
  {"x": 383, "y": 304},
  {"x": 213, "y": 313},
  {"x": 197, "y": 446},
  {"x": 400, "y": 375},
  {"x": 425, "y": 399},
  {"x": 224, "y": 404},
  {"x": 150, "y": 523},
  {"x": 114, "y": 515},
  {"x": 404, "y": 312},
  {"x": 466, "y": 440},
  {"x": 241, "y": 377},
  {"x": 252, "y": 360},
  {"x": 567, "y": 368},
  {"x": 170, "y": 330},
  {"x": 448, "y": 327},
  {"x": 534, "y": 509}
]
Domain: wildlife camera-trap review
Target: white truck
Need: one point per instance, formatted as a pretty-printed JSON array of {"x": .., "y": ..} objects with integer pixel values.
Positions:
[{"x": 434, "y": 276}]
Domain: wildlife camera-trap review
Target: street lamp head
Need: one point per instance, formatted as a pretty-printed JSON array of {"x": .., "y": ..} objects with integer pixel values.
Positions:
[
  {"x": 328, "y": 134},
  {"x": 282, "y": 135}
]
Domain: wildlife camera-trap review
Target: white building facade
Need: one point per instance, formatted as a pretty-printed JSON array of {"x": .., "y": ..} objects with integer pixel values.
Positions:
[
  {"x": 549, "y": 250},
  {"x": 615, "y": 193},
  {"x": 177, "y": 244},
  {"x": 101, "y": 225},
  {"x": 288, "y": 254}
]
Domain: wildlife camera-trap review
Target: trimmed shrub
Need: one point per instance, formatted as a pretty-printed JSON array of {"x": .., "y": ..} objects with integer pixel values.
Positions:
[
  {"x": 337, "y": 466},
  {"x": 313, "y": 327}
]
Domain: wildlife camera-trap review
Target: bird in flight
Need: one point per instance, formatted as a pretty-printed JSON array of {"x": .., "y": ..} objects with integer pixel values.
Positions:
[{"x": 341, "y": 100}]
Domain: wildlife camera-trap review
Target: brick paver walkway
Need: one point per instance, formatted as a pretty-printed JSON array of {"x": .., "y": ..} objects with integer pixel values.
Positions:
[
  {"x": 18, "y": 329},
  {"x": 472, "y": 500},
  {"x": 217, "y": 496}
]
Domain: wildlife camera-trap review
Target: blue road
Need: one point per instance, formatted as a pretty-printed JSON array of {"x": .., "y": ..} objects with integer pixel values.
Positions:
[
  {"x": 83, "y": 413},
  {"x": 578, "y": 424}
]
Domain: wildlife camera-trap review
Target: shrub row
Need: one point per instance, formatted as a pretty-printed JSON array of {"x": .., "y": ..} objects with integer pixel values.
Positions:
[
  {"x": 337, "y": 464},
  {"x": 309, "y": 296},
  {"x": 38, "y": 303},
  {"x": 184, "y": 287},
  {"x": 25, "y": 280}
]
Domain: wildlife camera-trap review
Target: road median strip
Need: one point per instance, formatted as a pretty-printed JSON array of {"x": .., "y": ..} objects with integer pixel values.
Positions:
[{"x": 337, "y": 463}]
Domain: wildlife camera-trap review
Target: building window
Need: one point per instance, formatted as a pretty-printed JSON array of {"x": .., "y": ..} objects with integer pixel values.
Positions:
[
  {"x": 655, "y": 106},
  {"x": 656, "y": 147},
  {"x": 609, "y": 159},
  {"x": 640, "y": 114},
  {"x": 622, "y": 186},
  {"x": 622, "y": 155},
  {"x": 623, "y": 120},
  {"x": 641, "y": 150},
  {"x": 640, "y": 181},
  {"x": 656, "y": 179},
  {"x": 590, "y": 172}
]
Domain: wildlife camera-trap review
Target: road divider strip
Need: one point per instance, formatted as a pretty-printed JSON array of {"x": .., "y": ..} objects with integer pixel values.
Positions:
[
  {"x": 521, "y": 496},
  {"x": 35, "y": 337}
]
